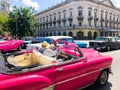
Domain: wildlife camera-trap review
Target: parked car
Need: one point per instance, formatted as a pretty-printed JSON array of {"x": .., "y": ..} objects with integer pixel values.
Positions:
[
  {"x": 33, "y": 70},
  {"x": 9, "y": 45},
  {"x": 36, "y": 42},
  {"x": 26, "y": 40},
  {"x": 105, "y": 43}
]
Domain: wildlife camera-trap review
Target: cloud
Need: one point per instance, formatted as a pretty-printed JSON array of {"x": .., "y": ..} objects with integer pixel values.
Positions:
[
  {"x": 30, "y": 3},
  {"x": 116, "y": 3},
  {"x": 16, "y": 0}
]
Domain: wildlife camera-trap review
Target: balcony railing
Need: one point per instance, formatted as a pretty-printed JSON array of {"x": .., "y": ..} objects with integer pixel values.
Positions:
[
  {"x": 90, "y": 17},
  {"x": 95, "y": 18},
  {"x": 80, "y": 17},
  {"x": 50, "y": 21},
  {"x": 70, "y": 18},
  {"x": 64, "y": 19},
  {"x": 59, "y": 20},
  {"x": 54, "y": 21},
  {"x": 102, "y": 19}
]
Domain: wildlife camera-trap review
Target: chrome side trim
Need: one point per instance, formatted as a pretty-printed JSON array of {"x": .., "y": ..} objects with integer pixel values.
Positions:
[
  {"x": 51, "y": 87},
  {"x": 81, "y": 76}
]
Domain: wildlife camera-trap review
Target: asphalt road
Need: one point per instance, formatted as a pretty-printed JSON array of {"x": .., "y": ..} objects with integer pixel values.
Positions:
[{"x": 114, "y": 80}]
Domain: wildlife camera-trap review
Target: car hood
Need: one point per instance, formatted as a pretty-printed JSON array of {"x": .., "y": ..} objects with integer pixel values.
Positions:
[{"x": 90, "y": 53}]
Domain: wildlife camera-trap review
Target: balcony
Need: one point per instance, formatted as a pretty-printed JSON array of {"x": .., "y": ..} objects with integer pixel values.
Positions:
[
  {"x": 54, "y": 21},
  {"x": 96, "y": 18},
  {"x": 80, "y": 17},
  {"x": 90, "y": 17},
  {"x": 63, "y": 19},
  {"x": 59, "y": 20},
  {"x": 102, "y": 19},
  {"x": 70, "y": 18},
  {"x": 107, "y": 20},
  {"x": 50, "y": 21}
]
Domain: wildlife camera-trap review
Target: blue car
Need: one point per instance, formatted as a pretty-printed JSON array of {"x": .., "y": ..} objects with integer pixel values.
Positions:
[
  {"x": 81, "y": 44},
  {"x": 69, "y": 39}
]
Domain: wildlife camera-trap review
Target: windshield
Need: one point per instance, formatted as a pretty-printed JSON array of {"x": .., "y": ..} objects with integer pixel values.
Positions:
[
  {"x": 42, "y": 39},
  {"x": 27, "y": 38},
  {"x": 101, "y": 39}
]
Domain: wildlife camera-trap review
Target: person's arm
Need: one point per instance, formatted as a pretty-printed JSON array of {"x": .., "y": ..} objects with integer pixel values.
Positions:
[{"x": 50, "y": 52}]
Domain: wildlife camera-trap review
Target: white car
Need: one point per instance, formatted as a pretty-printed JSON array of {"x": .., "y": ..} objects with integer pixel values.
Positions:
[{"x": 36, "y": 42}]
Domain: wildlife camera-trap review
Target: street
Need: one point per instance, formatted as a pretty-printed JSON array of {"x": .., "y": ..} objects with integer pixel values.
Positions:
[{"x": 114, "y": 80}]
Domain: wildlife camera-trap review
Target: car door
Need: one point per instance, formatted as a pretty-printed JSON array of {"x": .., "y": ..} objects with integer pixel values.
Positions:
[
  {"x": 70, "y": 76},
  {"x": 6, "y": 45}
]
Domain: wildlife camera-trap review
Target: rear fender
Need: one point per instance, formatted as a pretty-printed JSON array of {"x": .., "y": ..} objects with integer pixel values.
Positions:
[{"x": 33, "y": 82}]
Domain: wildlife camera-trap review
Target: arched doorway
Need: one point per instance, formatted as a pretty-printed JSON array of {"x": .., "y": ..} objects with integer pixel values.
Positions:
[
  {"x": 89, "y": 35},
  {"x": 70, "y": 34},
  {"x": 95, "y": 35},
  {"x": 47, "y": 34},
  {"x": 43, "y": 34},
  {"x": 50, "y": 33},
  {"x": 54, "y": 34},
  {"x": 80, "y": 35},
  {"x": 64, "y": 34},
  {"x": 59, "y": 33}
]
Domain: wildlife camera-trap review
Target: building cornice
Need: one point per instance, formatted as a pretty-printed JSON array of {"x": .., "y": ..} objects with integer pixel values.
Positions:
[{"x": 69, "y": 1}]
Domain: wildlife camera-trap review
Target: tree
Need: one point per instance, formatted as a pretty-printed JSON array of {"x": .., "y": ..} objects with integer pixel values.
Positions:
[
  {"x": 3, "y": 21},
  {"x": 22, "y": 21}
]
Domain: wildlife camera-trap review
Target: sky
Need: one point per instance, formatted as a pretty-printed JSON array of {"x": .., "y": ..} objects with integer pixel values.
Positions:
[{"x": 44, "y": 4}]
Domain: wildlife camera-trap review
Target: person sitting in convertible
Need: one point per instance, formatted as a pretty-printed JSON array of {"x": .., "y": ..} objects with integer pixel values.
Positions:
[{"x": 45, "y": 50}]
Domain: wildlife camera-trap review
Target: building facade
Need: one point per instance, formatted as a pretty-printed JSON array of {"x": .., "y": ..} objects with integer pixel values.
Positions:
[
  {"x": 81, "y": 19},
  {"x": 4, "y": 7}
]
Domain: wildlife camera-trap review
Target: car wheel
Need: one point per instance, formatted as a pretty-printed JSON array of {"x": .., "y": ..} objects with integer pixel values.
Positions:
[
  {"x": 19, "y": 48},
  {"x": 117, "y": 48},
  {"x": 102, "y": 79},
  {"x": 108, "y": 48}
]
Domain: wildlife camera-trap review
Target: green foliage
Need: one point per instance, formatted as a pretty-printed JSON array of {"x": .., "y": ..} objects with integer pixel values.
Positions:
[
  {"x": 22, "y": 21},
  {"x": 3, "y": 21}
]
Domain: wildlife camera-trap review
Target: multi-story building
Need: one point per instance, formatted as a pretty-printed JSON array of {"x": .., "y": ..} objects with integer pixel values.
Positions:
[
  {"x": 82, "y": 19},
  {"x": 4, "y": 7}
]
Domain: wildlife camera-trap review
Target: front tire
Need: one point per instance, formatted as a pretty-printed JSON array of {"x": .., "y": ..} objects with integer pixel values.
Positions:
[{"x": 102, "y": 79}]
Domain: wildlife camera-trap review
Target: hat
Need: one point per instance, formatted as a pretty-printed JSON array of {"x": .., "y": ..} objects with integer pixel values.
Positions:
[{"x": 45, "y": 45}]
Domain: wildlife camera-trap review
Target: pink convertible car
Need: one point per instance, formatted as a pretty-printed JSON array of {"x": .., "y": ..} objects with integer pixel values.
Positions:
[
  {"x": 9, "y": 45},
  {"x": 71, "y": 69}
]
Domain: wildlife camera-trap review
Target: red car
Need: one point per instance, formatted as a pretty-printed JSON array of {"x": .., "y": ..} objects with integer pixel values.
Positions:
[
  {"x": 74, "y": 69},
  {"x": 9, "y": 45}
]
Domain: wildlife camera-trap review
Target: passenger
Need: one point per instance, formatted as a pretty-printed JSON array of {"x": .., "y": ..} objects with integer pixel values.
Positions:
[{"x": 47, "y": 51}]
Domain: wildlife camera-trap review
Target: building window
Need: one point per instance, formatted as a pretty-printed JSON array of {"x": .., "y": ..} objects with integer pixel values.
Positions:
[
  {"x": 80, "y": 23},
  {"x": 71, "y": 14},
  {"x": 70, "y": 23},
  {"x": 95, "y": 23},
  {"x": 64, "y": 15},
  {"x": 89, "y": 13},
  {"x": 64, "y": 23},
  {"x": 46, "y": 18},
  {"x": 3, "y": 7},
  {"x": 95, "y": 14},
  {"x": 89, "y": 23},
  {"x": 80, "y": 12}
]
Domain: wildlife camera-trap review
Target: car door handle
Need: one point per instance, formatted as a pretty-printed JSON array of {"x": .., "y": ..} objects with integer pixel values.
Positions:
[{"x": 59, "y": 69}]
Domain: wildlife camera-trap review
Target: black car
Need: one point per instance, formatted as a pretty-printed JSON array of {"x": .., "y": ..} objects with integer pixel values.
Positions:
[{"x": 105, "y": 43}]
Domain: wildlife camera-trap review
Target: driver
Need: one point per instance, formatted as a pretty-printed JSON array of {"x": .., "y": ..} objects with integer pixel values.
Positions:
[{"x": 47, "y": 51}]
